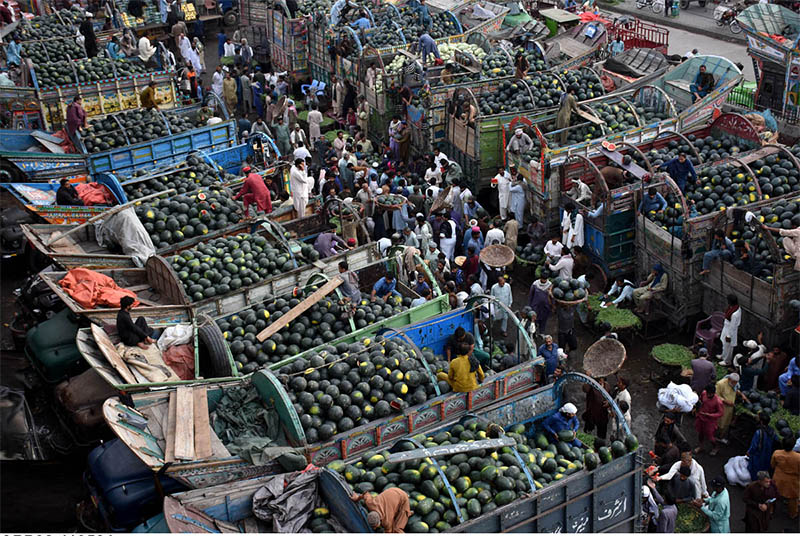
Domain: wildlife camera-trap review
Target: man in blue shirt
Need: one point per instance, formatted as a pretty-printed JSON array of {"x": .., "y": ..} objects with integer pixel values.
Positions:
[
  {"x": 653, "y": 201},
  {"x": 362, "y": 23},
  {"x": 680, "y": 169},
  {"x": 422, "y": 286},
  {"x": 721, "y": 247},
  {"x": 549, "y": 352},
  {"x": 617, "y": 47},
  {"x": 703, "y": 84},
  {"x": 424, "y": 14},
  {"x": 427, "y": 46},
  {"x": 385, "y": 288},
  {"x": 564, "y": 419}
]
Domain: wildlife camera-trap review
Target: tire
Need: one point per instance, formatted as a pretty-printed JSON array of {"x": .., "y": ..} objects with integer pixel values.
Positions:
[
  {"x": 657, "y": 8},
  {"x": 684, "y": 4},
  {"x": 213, "y": 350},
  {"x": 230, "y": 18},
  {"x": 641, "y": 4},
  {"x": 735, "y": 28}
]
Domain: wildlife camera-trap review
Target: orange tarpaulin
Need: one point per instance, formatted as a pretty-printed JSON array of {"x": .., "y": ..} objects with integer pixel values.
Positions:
[
  {"x": 93, "y": 193},
  {"x": 90, "y": 289}
]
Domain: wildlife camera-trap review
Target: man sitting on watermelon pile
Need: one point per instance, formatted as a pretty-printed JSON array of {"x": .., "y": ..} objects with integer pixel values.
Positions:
[{"x": 563, "y": 423}]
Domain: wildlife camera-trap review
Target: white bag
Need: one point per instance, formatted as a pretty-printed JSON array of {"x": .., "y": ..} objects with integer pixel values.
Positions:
[
  {"x": 680, "y": 397},
  {"x": 174, "y": 335},
  {"x": 736, "y": 471}
]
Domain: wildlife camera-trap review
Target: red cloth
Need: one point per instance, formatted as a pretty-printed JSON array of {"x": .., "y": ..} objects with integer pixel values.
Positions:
[
  {"x": 180, "y": 358},
  {"x": 730, "y": 310},
  {"x": 254, "y": 184},
  {"x": 94, "y": 193},
  {"x": 90, "y": 289}
]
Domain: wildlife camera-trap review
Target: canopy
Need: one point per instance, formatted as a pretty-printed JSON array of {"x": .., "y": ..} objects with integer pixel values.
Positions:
[{"x": 772, "y": 20}]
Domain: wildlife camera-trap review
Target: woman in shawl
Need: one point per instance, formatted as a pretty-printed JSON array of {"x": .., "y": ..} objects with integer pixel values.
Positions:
[
  {"x": 655, "y": 282},
  {"x": 540, "y": 300},
  {"x": 760, "y": 451}
]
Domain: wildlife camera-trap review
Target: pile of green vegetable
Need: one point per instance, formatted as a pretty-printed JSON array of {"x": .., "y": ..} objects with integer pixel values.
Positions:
[
  {"x": 690, "y": 519},
  {"x": 64, "y": 49},
  {"x": 345, "y": 386},
  {"x": 479, "y": 481},
  {"x": 673, "y": 354},
  {"x": 220, "y": 266},
  {"x": 618, "y": 318}
]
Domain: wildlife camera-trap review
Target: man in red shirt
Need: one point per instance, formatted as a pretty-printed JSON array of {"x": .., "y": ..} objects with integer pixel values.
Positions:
[
  {"x": 254, "y": 191},
  {"x": 76, "y": 117}
]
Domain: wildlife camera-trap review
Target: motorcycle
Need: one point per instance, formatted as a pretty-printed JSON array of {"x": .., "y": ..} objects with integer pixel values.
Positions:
[
  {"x": 35, "y": 303},
  {"x": 12, "y": 241},
  {"x": 726, "y": 16}
]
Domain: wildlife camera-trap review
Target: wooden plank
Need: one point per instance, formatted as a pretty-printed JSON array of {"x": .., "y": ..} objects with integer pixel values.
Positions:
[
  {"x": 202, "y": 427},
  {"x": 137, "y": 288},
  {"x": 299, "y": 309},
  {"x": 110, "y": 353},
  {"x": 184, "y": 424},
  {"x": 169, "y": 429}
]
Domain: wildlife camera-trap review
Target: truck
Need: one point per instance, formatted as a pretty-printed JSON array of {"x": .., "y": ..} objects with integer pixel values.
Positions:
[{"x": 200, "y": 474}]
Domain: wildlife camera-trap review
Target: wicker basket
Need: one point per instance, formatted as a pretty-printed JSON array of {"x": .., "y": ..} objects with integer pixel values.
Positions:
[
  {"x": 391, "y": 207},
  {"x": 573, "y": 302},
  {"x": 497, "y": 256},
  {"x": 604, "y": 357}
]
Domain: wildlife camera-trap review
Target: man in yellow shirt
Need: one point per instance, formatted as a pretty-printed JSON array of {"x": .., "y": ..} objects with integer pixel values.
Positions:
[
  {"x": 465, "y": 371},
  {"x": 148, "y": 96},
  {"x": 726, "y": 390}
]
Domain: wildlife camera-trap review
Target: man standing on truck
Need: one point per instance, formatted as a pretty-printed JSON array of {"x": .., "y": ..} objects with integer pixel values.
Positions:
[
  {"x": 680, "y": 169},
  {"x": 568, "y": 105},
  {"x": 76, "y": 117},
  {"x": 148, "y": 96},
  {"x": 389, "y": 510},
  {"x": 254, "y": 191}
]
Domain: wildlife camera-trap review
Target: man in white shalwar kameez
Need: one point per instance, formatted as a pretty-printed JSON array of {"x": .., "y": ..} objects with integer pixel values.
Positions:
[{"x": 502, "y": 292}]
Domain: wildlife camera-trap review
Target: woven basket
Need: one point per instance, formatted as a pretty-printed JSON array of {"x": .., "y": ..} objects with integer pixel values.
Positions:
[
  {"x": 603, "y": 358},
  {"x": 391, "y": 207},
  {"x": 573, "y": 302},
  {"x": 497, "y": 256}
]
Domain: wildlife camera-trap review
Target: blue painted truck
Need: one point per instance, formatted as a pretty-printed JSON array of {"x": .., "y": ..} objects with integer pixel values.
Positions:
[{"x": 22, "y": 158}]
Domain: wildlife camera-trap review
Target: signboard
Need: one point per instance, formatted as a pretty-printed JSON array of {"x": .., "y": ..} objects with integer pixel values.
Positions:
[{"x": 765, "y": 49}]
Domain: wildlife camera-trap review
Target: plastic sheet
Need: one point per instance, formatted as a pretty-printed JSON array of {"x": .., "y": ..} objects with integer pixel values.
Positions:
[
  {"x": 126, "y": 231},
  {"x": 288, "y": 501}
]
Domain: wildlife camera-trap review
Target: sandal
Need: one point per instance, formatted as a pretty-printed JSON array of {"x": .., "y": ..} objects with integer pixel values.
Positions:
[
  {"x": 713, "y": 452},
  {"x": 697, "y": 450}
]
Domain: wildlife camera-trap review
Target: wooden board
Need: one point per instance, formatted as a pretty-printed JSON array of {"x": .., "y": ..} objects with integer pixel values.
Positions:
[
  {"x": 299, "y": 309},
  {"x": 110, "y": 353},
  {"x": 202, "y": 428},
  {"x": 590, "y": 117},
  {"x": 184, "y": 424},
  {"x": 169, "y": 432}
]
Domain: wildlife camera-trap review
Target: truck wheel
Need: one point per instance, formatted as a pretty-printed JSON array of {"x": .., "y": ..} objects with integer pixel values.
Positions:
[
  {"x": 213, "y": 350},
  {"x": 702, "y": 3},
  {"x": 684, "y": 4},
  {"x": 230, "y": 18}
]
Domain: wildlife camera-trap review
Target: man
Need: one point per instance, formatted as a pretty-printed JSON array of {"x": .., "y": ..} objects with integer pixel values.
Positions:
[
  {"x": 428, "y": 46},
  {"x": 301, "y": 185},
  {"x": 566, "y": 327},
  {"x": 301, "y": 152},
  {"x": 460, "y": 336},
  {"x": 86, "y": 29},
  {"x": 717, "y": 507},
  {"x": 502, "y": 181},
  {"x": 473, "y": 239},
  {"x": 697, "y": 475},
  {"x": 621, "y": 290},
  {"x": 471, "y": 266},
  {"x": 730, "y": 330},
  {"x": 517, "y": 204},
  {"x": 439, "y": 157},
  {"x": 759, "y": 501},
  {"x": 703, "y": 84},
  {"x": 553, "y": 249},
  {"x": 520, "y": 143},
  {"x": 132, "y": 333},
  {"x": 668, "y": 429},
  {"x": 217, "y": 81},
  {"x": 432, "y": 254},
  {"x": 510, "y": 230},
  {"x": 66, "y": 195},
  {"x": 680, "y": 169},
  {"x": 727, "y": 391},
  {"x": 424, "y": 14},
  {"x": 596, "y": 414},
  {"x": 326, "y": 244},
  {"x": 76, "y": 117},
  {"x": 703, "y": 371},
  {"x": 424, "y": 297},
  {"x": 5, "y": 14},
  {"x": 617, "y": 46},
  {"x": 146, "y": 50},
  {"x": 502, "y": 292},
  {"x": 421, "y": 285},
  {"x": 362, "y": 23},
  {"x": 409, "y": 238},
  {"x": 580, "y": 192},
  {"x": 447, "y": 236},
  {"x": 385, "y": 288},
  {"x": 572, "y": 229},
  {"x": 350, "y": 283},
  {"x": 254, "y": 191},
  {"x": 721, "y": 247},
  {"x": 148, "y": 96},
  {"x": 667, "y": 453},
  {"x": 652, "y": 202},
  {"x": 339, "y": 144},
  {"x": 424, "y": 233},
  {"x": 567, "y": 105},
  {"x": 564, "y": 265},
  {"x": 564, "y": 419},
  {"x": 471, "y": 207},
  {"x": 614, "y": 176},
  {"x": 281, "y": 131},
  {"x": 260, "y": 127},
  {"x": 298, "y": 137},
  {"x": 495, "y": 235},
  {"x": 389, "y": 510}
]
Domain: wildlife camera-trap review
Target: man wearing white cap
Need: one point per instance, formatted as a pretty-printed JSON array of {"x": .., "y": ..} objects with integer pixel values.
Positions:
[
  {"x": 564, "y": 419},
  {"x": 727, "y": 390},
  {"x": 520, "y": 143}
]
